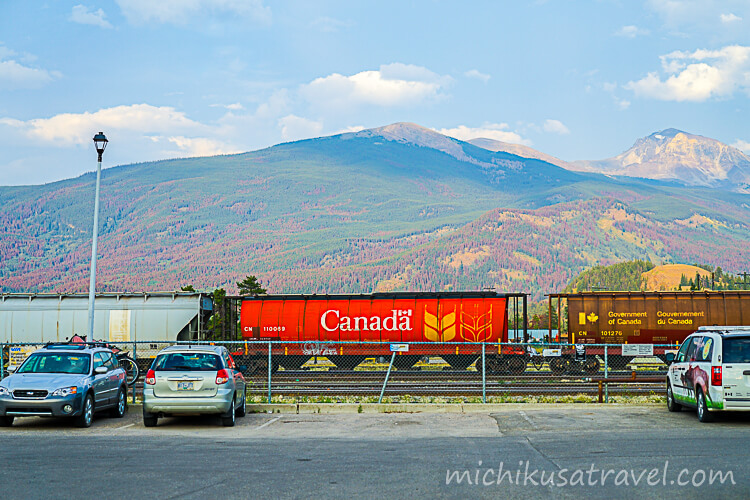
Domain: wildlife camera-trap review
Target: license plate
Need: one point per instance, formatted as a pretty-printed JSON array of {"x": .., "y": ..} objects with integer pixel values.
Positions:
[{"x": 184, "y": 386}]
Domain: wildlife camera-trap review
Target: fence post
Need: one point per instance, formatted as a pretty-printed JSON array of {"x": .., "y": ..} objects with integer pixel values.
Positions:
[
  {"x": 270, "y": 365},
  {"x": 606, "y": 375},
  {"x": 2, "y": 361},
  {"x": 484, "y": 377},
  {"x": 382, "y": 391},
  {"x": 135, "y": 358}
]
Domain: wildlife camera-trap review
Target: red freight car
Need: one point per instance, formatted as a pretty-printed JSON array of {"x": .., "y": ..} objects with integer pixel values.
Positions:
[{"x": 304, "y": 326}]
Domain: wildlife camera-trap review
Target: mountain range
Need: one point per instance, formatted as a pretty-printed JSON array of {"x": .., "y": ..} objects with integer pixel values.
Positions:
[
  {"x": 392, "y": 208},
  {"x": 675, "y": 155}
]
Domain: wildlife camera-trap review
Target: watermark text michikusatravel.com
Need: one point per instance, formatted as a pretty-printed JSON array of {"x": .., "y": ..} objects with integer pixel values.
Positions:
[{"x": 525, "y": 475}]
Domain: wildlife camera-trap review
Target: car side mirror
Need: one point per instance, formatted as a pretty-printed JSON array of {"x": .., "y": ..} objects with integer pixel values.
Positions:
[
  {"x": 99, "y": 370},
  {"x": 12, "y": 368},
  {"x": 670, "y": 358}
]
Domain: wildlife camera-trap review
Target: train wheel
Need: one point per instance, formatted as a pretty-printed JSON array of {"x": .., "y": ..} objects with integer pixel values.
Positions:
[
  {"x": 517, "y": 365},
  {"x": 558, "y": 366},
  {"x": 591, "y": 365},
  {"x": 259, "y": 366},
  {"x": 478, "y": 364},
  {"x": 497, "y": 364}
]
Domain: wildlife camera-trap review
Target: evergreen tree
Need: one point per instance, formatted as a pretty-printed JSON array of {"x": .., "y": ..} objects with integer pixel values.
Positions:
[{"x": 250, "y": 286}]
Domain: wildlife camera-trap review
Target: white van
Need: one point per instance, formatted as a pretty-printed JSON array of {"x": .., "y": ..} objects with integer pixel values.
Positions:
[{"x": 711, "y": 372}]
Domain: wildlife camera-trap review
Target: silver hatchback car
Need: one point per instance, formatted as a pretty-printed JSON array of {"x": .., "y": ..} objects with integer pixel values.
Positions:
[{"x": 194, "y": 379}]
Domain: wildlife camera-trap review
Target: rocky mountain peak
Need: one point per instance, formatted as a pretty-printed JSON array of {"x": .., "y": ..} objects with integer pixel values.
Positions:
[{"x": 672, "y": 154}]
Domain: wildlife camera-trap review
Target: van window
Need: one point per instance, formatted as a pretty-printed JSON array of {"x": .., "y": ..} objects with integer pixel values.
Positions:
[
  {"x": 691, "y": 349},
  {"x": 682, "y": 354},
  {"x": 736, "y": 350},
  {"x": 705, "y": 351}
]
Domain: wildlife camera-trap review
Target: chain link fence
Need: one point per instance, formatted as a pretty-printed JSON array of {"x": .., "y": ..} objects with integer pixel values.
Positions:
[{"x": 425, "y": 372}]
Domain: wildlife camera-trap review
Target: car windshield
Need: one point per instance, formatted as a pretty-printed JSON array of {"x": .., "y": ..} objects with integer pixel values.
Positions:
[
  {"x": 736, "y": 349},
  {"x": 53, "y": 362},
  {"x": 184, "y": 361}
]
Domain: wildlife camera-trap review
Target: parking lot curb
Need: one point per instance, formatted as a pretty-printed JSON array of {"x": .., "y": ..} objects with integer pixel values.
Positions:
[{"x": 344, "y": 408}]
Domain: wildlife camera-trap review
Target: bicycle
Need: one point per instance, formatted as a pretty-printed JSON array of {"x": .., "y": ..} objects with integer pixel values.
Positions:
[{"x": 132, "y": 372}]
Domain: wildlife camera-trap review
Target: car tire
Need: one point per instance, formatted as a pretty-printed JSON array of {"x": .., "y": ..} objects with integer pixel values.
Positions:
[
  {"x": 672, "y": 405},
  {"x": 227, "y": 419},
  {"x": 122, "y": 404},
  {"x": 149, "y": 419},
  {"x": 87, "y": 412},
  {"x": 703, "y": 414},
  {"x": 242, "y": 410},
  {"x": 6, "y": 421}
]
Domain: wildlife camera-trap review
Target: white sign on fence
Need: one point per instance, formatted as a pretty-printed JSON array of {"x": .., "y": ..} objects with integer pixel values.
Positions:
[
  {"x": 399, "y": 347},
  {"x": 18, "y": 354},
  {"x": 637, "y": 349},
  {"x": 552, "y": 352}
]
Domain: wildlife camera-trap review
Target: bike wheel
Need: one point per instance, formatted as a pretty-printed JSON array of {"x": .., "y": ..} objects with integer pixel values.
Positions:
[{"x": 131, "y": 369}]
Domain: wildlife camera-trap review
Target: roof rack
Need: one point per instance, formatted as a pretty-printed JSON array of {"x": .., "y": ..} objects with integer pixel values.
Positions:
[
  {"x": 74, "y": 345},
  {"x": 63, "y": 345},
  {"x": 723, "y": 328}
]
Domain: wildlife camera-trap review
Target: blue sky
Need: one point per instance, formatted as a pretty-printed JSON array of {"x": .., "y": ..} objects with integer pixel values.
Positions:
[{"x": 580, "y": 80}]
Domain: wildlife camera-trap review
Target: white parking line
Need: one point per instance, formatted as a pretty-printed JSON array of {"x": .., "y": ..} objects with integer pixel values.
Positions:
[
  {"x": 124, "y": 427},
  {"x": 526, "y": 417},
  {"x": 267, "y": 423}
]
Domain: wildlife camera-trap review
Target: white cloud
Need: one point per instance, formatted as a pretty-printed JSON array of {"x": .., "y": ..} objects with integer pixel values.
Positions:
[
  {"x": 350, "y": 129},
  {"x": 199, "y": 146},
  {"x": 698, "y": 76},
  {"x": 295, "y": 128},
  {"x": 622, "y": 103},
  {"x": 496, "y": 131},
  {"x": 555, "y": 127},
  {"x": 392, "y": 85},
  {"x": 69, "y": 129},
  {"x": 140, "y": 125},
  {"x": 743, "y": 146},
  {"x": 688, "y": 18},
  {"x": 183, "y": 11},
  {"x": 231, "y": 107},
  {"x": 473, "y": 73},
  {"x": 82, "y": 15},
  {"x": 679, "y": 12},
  {"x": 6, "y": 53},
  {"x": 14, "y": 75},
  {"x": 729, "y": 18},
  {"x": 631, "y": 31}
]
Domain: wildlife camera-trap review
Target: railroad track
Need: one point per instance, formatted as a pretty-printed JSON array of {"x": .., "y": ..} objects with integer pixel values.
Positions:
[
  {"x": 438, "y": 376},
  {"x": 457, "y": 390},
  {"x": 444, "y": 383}
]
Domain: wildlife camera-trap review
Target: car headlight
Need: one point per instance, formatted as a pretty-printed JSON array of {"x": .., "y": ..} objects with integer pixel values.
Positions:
[
  {"x": 65, "y": 391},
  {"x": 4, "y": 391}
]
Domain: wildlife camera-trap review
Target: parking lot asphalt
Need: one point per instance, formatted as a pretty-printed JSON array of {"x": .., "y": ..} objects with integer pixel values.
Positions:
[{"x": 384, "y": 455}]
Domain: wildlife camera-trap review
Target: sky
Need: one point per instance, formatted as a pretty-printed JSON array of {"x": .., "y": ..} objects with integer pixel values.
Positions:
[{"x": 579, "y": 80}]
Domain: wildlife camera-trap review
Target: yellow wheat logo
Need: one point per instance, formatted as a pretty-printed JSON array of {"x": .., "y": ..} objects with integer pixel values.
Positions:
[
  {"x": 439, "y": 328},
  {"x": 476, "y": 328}
]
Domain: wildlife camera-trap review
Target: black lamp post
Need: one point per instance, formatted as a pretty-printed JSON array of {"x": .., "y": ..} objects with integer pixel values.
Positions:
[{"x": 100, "y": 142}]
